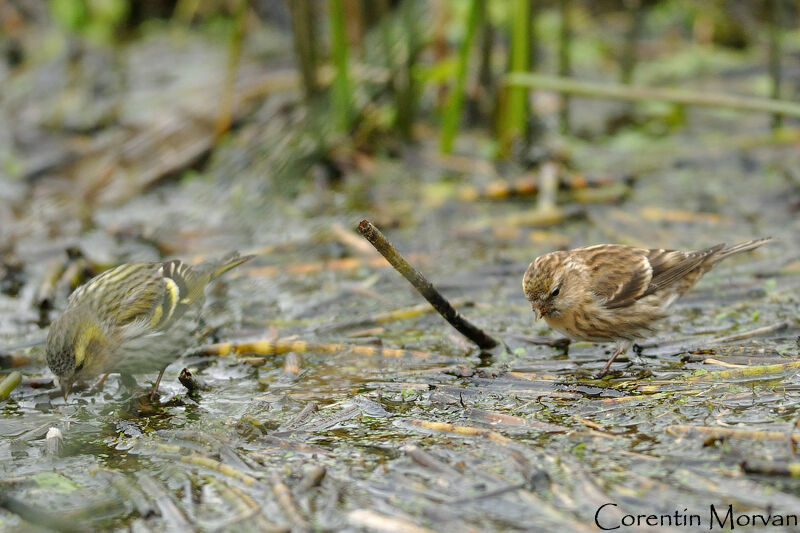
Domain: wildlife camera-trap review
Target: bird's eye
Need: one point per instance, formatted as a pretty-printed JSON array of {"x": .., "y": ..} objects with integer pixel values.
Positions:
[
  {"x": 554, "y": 293},
  {"x": 79, "y": 367}
]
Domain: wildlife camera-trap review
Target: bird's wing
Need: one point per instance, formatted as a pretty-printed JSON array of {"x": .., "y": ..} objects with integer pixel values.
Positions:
[
  {"x": 671, "y": 265},
  {"x": 620, "y": 274},
  {"x": 624, "y": 274},
  {"x": 143, "y": 297},
  {"x": 153, "y": 295},
  {"x": 174, "y": 288}
]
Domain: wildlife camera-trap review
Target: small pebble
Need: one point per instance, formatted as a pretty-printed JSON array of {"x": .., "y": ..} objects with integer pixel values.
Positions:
[{"x": 54, "y": 441}]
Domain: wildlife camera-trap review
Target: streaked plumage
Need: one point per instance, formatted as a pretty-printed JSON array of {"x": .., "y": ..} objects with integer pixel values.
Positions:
[
  {"x": 130, "y": 319},
  {"x": 611, "y": 292}
]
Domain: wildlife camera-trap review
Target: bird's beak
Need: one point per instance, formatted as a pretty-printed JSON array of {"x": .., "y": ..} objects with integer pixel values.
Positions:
[
  {"x": 537, "y": 314},
  {"x": 66, "y": 386}
]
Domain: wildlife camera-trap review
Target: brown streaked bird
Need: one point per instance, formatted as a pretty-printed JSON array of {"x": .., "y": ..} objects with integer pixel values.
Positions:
[{"x": 612, "y": 292}]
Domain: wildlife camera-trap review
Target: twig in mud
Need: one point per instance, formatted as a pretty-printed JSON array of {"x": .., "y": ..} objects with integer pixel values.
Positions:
[
  {"x": 705, "y": 347},
  {"x": 301, "y": 417},
  {"x": 173, "y": 516},
  {"x": 222, "y": 468},
  {"x": 266, "y": 347},
  {"x": 254, "y": 361},
  {"x": 535, "y": 376},
  {"x": 712, "y": 361},
  {"x": 750, "y": 371},
  {"x": 771, "y": 468},
  {"x": 461, "y": 430},
  {"x": 780, "y": 326},
  {"x": 426, "y": 460},
  {"x": 372, "y": 520},
  {"x": 198, "y": 459},
  {"x": 285, "y": 499},
  {"x": 646, "y": 396},
  {"x": 248, "y": 509},
  {"x": 244, "y": 510},
  {"x": 679, "y": 430},
  {"x": 511, "y": 420},
  {"x": 675, "y": 96},
  {"x": 9, "y": 384},
  {"x": 425, "y": 288},
  {"x": 370, "y": 333},
  {"x": 595, "y": 428},
  {"x": 753, "y": 355}
]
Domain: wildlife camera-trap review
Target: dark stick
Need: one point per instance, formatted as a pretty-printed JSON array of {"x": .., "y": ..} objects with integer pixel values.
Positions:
[
  {"x": 425, "y": 288},
  {"x": 187, "y": 380},
  {"x": 770, "y": 468},
  {"x": 191, "y": 383}
]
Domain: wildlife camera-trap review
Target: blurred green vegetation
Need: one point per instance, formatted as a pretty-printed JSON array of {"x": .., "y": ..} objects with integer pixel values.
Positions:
[
  {"x": 387, "y": 69},
  {"x": 96, "y": 20}
]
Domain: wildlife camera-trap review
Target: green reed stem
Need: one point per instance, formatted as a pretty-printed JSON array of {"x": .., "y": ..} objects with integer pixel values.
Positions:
[
  {"x": 675, "y": 96},
  {"x": 9, "y": 384},
  {"x": 515, "y": 109},
  {"x": 455, "y": 103},
  {"x": 341, "y": 96}
]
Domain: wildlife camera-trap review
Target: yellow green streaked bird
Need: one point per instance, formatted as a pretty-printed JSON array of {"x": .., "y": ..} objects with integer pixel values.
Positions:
[{"x": 134, "y": 318}]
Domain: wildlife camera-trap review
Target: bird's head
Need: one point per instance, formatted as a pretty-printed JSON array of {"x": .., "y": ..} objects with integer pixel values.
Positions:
[
  {"x": 77, "y": 345},
  {"x": 549, "y": 285}
]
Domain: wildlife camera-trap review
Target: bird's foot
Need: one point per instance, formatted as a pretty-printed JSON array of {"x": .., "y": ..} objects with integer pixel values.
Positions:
[
  {"x": 619, "y": 351},
  {"x": 154, "y": 392}
]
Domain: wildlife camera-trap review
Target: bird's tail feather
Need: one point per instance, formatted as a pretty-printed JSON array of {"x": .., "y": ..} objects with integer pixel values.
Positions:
[
  {"x": 741, "y": 247},
  {"x": 228, "y": 262}
]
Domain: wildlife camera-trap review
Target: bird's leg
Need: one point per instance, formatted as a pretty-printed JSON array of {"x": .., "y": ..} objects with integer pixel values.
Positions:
[
  {"x": 621, "y": 349},
  {"x": 154, "y": 392},
  {"x": 99, "y": 383}
]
